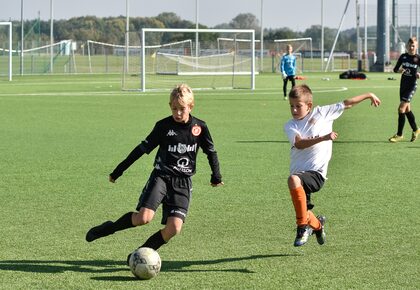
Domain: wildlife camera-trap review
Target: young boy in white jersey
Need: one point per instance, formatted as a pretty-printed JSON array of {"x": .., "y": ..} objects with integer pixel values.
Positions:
[{"x": 310, "y": 134}]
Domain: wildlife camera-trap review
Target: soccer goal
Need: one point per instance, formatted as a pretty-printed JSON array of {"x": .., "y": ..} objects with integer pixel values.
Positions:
[
  {"x": 57, "y": 57},
  {"x": 238, "y": 44},
  {"x": 6, "y": 51},
  {"x": 192, "y": 56},
  {"x": 340, "y": 61},
  {"x": 302, "y": 49},
  {"x": 166, "y": 57},
  {"x": 108, "y": 57}
]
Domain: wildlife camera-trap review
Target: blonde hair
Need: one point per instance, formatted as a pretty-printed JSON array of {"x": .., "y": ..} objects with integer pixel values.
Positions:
[
  {"x": 183, "y": 94},
  {"x": 412, "y": 40},
  {"x": 301, "y": 92}
]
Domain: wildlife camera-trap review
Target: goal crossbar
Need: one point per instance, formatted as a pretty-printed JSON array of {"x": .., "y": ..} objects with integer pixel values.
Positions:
[
  {"x": 218, "y": 73},
  {"x": 293, "y": 39}
]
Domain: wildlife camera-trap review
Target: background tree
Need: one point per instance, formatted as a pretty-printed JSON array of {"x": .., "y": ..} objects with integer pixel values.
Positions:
[
  {"x": 112, "y": 30},
  {"x": 245, "y": 21}
]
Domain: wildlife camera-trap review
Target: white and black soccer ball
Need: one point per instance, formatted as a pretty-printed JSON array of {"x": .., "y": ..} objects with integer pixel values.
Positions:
[{"x": 145, "y": 263}]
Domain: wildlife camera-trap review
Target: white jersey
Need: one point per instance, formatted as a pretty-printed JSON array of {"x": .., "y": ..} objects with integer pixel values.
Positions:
[{"x": 318, "y": 122}]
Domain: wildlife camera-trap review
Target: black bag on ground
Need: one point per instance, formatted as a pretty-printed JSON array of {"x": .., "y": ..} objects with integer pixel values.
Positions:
[{"x": 352, "y": 74}]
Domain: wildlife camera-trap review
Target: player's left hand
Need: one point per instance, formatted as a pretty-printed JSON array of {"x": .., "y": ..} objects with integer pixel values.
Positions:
[{"x": 331, "y": 136}]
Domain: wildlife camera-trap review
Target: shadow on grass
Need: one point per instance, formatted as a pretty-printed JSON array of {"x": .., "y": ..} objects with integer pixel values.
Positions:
[
  {"x": 110, "y": 266},
  {"x": 179, "y": 266},
  {"x": 61, "y": 266},
  {"x": 335, "y": 141},
  {"x": 362, "y": 142},
  {"x": 261, "y": 141}
]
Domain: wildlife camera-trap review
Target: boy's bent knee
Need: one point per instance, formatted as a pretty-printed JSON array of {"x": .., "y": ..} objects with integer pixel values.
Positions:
[
  {"x": 169, "y": 232},
  {"x": 173, "y": 227},
  {"x": 142, "y": 218},
  {"x": 294, "y": 181}
]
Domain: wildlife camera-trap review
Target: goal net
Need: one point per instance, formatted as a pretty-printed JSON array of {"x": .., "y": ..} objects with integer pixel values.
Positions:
[
  {"x": 238, "y": 44},
  {"x": 192, "y": 56},
  {"x": 6, "y": 50},
  {"x": 340, "y": 61},
  {"x": 108, "y": 57},
  {"x": 171, "y": 58},
  {"x": 52, "y": 58},
  {"x": 302, "y": 49}
]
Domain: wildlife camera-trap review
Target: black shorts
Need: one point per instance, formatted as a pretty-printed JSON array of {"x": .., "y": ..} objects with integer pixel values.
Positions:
[
  {"x": 312, "y": 181},
  {"x": 289, "y": 78},
  {"x": 407, "y": 92},
  {"x": 172, "y": 192}
]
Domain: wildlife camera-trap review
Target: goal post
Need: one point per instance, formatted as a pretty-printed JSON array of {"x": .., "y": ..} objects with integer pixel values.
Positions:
[
  {"x": 7, "y": 51},
  {"x": 200, "y": 64}
]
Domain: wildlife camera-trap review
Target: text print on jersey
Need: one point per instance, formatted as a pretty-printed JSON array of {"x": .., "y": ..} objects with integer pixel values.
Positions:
[{"x": 182, "y": 148}]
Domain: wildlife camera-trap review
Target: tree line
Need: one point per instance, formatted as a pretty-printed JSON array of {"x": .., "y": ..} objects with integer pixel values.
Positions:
[{"x": 112, "y": 30}]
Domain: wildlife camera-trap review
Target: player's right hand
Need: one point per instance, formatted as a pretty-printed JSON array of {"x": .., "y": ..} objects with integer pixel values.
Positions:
[
  {"x": 111, "y": 179},
  {"x": 375, "y": 101},
  {"x": 284, "y": 75}
]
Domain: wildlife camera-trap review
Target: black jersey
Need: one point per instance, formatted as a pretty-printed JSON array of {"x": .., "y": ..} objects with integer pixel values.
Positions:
[
  {"x": 410, "y": 64},
  {"x": 178, "y": 147}
]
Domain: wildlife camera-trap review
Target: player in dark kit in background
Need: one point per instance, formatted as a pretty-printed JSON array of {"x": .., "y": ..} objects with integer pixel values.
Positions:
[
  {"x": 178, "y": 137},
  {"x": 407, "y": 64}
]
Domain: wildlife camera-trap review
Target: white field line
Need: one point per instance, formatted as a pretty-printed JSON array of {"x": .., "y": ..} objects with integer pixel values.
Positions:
[
  {"x": 230, "y": 92},
  {"x": 213, "y": 92}
]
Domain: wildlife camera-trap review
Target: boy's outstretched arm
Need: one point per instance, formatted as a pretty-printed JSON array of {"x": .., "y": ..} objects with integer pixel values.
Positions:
[
  {"x": 375, "y": 101},
  {"x": 301, "y": 143}
]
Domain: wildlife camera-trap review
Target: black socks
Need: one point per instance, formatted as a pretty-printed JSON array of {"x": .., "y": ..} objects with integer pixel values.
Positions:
[
  {"x": 155, "y": 241},
  {"x": 122, "y": 223},
  {"x": 412, "y": 120},
  {"x": 401, "y": 123}
]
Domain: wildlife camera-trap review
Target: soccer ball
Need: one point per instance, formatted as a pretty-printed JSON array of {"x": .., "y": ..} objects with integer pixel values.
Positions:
[{"x": 144, "y": 263}]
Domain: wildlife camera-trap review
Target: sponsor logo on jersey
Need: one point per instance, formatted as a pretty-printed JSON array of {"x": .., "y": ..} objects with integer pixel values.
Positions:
[
  {"x": 182, "y": 148},
  {"x": 171, "y": 133},
  {"x": 183, "y": 165},
  {"x": 407, "y": 64},
  {"x": 196, "y": 130}
]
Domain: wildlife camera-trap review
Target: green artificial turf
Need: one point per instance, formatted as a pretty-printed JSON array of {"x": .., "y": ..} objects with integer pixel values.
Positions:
[{"x": 62, "y": 135}]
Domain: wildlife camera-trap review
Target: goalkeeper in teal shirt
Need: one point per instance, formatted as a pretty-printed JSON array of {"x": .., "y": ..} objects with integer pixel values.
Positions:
[{"x": 288, "y": 69}]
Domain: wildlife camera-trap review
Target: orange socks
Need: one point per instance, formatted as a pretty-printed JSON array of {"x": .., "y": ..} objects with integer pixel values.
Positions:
[
  {"x": 299, "y": 202},
  {"x": 313, "y": 222},
  {"x": 303, "y": 215}
]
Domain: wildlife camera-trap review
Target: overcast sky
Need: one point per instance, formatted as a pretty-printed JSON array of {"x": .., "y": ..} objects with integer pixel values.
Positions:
[{"x": 295, "y": 14}]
